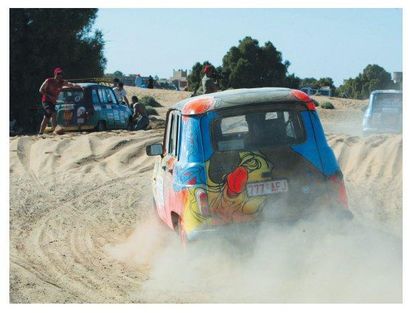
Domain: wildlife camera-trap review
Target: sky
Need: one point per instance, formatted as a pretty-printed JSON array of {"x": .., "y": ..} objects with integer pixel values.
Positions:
[{"x": 336, "y": 43}]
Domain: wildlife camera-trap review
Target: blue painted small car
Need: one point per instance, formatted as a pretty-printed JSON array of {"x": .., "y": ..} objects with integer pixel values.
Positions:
[
  {"x": 242, "y": 157},
  {"x": 384, "y": 114},
  {"x": 91, "y": 106}
]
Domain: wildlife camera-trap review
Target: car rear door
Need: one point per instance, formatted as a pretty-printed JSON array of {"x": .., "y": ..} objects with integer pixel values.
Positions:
[
  {"x": 168, "y": 163},
  {"x": 72, "y": 111},
  {"x": 106, "y": 108},
  {"x": 116, "y": 109},
  {"x": 266, "y": 162}
]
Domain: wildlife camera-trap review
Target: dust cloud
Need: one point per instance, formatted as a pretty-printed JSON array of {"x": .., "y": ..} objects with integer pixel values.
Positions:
[{"x": 321, "y": 259}]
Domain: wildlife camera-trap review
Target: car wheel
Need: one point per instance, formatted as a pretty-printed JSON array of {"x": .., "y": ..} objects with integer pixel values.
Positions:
[
  {"x": 129, "y": 124},
  {"x": 181, "y": 232},
  {"x": 101, "y": 126},
  {"x": 155, "y": 210}
]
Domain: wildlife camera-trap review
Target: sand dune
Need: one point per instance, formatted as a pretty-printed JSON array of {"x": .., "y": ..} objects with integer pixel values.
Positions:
[
  {"x": 81, "y": 215},
  {"x": 372, "y": 167}
]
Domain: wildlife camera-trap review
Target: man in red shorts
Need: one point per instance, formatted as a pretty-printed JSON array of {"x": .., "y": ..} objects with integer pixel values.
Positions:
[{"x": 50, "y": 90}]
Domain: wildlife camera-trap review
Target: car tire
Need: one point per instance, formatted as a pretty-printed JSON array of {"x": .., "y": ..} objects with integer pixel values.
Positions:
[
  {"x": 366, "y": 134},
  {"x": 181, "y": 232},
  {"x": 129, "y": 124},
  {"x": 101, "y": 126}
]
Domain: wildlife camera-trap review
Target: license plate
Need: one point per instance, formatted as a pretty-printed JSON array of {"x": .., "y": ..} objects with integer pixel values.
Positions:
[
  {"x": 68, "y": 115},
  {"x": 267, "y": 187}
]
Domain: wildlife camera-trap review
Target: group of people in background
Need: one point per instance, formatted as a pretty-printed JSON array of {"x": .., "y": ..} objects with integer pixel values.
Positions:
[
  {"x": 144, "y": 83},
  {"x": 51, "y": 87}
]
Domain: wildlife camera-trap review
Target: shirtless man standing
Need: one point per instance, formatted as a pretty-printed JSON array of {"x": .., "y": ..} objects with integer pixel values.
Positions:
[{"x": 50, "y": 90}]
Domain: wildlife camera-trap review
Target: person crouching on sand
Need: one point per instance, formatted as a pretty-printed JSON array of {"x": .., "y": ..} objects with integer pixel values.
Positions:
[
  {"x": 50, "y": 89},
  {"x": 140, "y": 116}
]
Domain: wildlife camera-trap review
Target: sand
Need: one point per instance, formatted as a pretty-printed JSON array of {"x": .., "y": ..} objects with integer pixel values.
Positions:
[{"x": 82, "y": 226}]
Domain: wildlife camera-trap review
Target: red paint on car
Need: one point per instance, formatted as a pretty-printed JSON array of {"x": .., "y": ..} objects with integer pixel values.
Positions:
[{"x": 198, "y": 106}]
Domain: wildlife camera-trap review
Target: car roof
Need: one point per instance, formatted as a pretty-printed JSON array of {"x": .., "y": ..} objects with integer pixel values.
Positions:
[
  {"x": 87, "y": 85},
  {"x": 387, "y": 91},
  {"x": 239, "y": 97}
]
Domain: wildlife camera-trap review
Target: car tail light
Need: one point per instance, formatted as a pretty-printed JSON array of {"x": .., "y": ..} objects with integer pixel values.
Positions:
[
  {"x": 202, "y": 200},
  {"x": 337, "y": 180},
  {"x": 310, "y": 105}
]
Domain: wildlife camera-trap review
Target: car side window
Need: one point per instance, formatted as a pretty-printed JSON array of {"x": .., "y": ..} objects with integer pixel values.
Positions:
[
  {"x": 94, "y": 96},
  {"x": 172, "y": 140},
  {"x": 177, "y": 132},
  {"x": 111, "y": 96},
  {"x": 168, "y": 144},
  {"x": 102, "y": 96},
  {"x": 174, "y": 135}
]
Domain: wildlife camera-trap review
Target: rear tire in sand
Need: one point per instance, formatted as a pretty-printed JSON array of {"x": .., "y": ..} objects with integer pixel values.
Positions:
[
  {"x": 101, "y": 126},
  {"x": 181, "y": 232}
]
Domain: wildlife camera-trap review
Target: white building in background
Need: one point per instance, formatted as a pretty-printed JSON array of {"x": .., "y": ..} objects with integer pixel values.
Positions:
[{"x": 180, "y": 79}]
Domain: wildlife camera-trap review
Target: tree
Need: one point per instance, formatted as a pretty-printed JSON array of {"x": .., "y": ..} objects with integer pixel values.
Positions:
[
  {"x": 41, "y": 39},
  {"x": 250, "y": 65},
  {"x": 118, "y": 74},
  {"x": 292, "y": 81},
  {"x": 310, "y": 82},
  {"x": 316, "y": 84},
  {"x": 372, "y": 78}
]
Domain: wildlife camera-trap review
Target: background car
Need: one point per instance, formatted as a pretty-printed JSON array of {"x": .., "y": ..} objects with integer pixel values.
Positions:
[
  {"x": 244, "y": 156},
  {"x": 384, "y": 114},
  {"x": 91, "y": 106}
]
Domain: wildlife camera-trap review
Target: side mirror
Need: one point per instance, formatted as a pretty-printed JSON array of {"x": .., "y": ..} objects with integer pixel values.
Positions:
[{"x": 154, "y": 149}]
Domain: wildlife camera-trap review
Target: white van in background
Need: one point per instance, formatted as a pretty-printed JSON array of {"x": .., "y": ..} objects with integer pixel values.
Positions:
[{"x": 384, "y": 113}]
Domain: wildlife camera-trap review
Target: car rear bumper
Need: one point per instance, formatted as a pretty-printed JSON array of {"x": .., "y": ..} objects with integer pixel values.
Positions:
[
  {"x": 247, "y": 231},
  {"x": 226, "y": 231},
  {"x": 372, "y": 130}
]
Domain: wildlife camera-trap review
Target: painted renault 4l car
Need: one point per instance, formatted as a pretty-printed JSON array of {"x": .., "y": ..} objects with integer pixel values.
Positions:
[
  {"x": 244, "y": 155},
  {"x": 384, "y": 114},
  {"x": 91, "y": 106}
]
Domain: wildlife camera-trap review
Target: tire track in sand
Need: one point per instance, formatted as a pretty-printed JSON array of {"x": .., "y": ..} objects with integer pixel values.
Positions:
[{"x": 65, "y": 247}]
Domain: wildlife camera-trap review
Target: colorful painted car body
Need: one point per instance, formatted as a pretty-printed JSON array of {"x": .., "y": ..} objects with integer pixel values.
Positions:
[
  {"x": 91, "y": 106},
  {"x": 244, "y": 155},
  {"x": 384, "y": 114}
]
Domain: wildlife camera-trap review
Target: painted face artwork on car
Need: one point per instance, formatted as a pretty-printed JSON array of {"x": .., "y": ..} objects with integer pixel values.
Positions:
[
  {"x": 227, "y": 200},
  {"x": 227, "y": 183}
]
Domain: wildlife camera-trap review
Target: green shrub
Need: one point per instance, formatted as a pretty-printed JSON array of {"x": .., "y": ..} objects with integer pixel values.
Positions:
[
  {"x": 327, "y": 105},
  {"x": 315, "y": 102},
  {"x": 151, "y": 110},
  {"x": 149, "y": 101}
]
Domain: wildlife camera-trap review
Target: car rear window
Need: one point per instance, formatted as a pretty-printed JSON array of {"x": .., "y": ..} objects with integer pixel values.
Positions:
[
  {"x": 70, "y": 96},
  {"x": 387, "y": 100},
  {"x": 254, "y": 130}
]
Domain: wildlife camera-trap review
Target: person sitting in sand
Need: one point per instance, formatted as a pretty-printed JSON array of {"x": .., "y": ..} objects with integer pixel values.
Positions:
[
  {"x": 50, "y": 90},
  {"x": 140, "y": 116}
]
